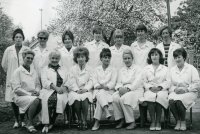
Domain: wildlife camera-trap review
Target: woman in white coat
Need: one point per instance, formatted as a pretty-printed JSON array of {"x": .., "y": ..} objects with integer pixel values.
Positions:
[
  {"x": 12, "y": 59},
  {"x": 129, "y": 90},
  {"x": 67, "y": 50},
  {"x": 95, "y": 47},
  {"x": 56, "y": 81},
  {"x": 104, "y": 81},
  {"x": 26, "y": 88},
  {"x": 117, "y": 49},
  {"x": 167, "y": 47},
  {"x": 156, "y": 82},
  {"x": 81, "y": 97},
  {"x": 184, "y": 88}
]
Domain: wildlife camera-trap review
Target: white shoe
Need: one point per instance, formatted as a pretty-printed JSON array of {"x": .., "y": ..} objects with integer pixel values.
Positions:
[
  {"x": 94, "y": 129},
  {"x": 183, "y": 126},
  {"x": 23, "y": 124},
  {"x": 16, "y": 125},
  {"x": 45, "y": 130}
]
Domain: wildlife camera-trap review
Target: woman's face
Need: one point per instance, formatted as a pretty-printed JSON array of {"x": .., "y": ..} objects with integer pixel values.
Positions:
[
  {"x": 179, "y": 60},
  {"x": 42, "y": 38},
  {"x": 54, "y": 60},
  {"x": 97, "y": 36},
  {"x": 81, "y": 59},
  {"x": 119, "y": 39},
  {"x": 165, "y": 35},
  {"x": 68, "y": 41},
  {"x": 141, "y": 34},
  {"x": 18, "y": 39},
  {"x": 105, "y": 60},
  {"x": 128, "y": 60},
  {"x": 155, "y": 57},
  {"x": 28, "y": 59}
]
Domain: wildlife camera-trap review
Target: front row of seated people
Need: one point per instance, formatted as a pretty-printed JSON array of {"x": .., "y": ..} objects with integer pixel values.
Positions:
[{"x": 154, "y": 86}]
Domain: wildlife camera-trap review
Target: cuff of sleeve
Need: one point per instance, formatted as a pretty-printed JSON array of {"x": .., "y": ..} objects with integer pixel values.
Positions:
[
  {"x": 29, "y": 94},
  {"x": 172, "y": 89},
  {"x": 118, "y": 86},
  {"x": 129, "y": 86},
  {"x": 48, "y": 84},
  {"x": 96, "y": 85}
]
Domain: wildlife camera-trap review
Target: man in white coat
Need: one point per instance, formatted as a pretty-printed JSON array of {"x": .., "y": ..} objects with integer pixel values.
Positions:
[
  {"x": 140, "y": 49},
  {"x": 167, "y": 47}
]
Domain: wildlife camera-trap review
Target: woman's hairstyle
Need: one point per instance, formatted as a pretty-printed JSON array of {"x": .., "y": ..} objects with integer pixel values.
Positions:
[
  {"x": 141, "y": 27},
  {"x": 105, "y": 52},
  {"x": 152, "y": 51},
  {"x": 96, "y": 29},
  {"x": 27, "y": 51},
  {"x": 69, "y": 33},
  {"x": 118, "y": 32},
  {"x": 55, "y": 53},
  {"x": 43, "y": 32},
  {"x": 168, "y": 29},
  {"x": 81, "y": 51},
  {"x": 180, "y": 51},
  {"x": 18, "y": 30},
  {"x": 127, "y": 51}
]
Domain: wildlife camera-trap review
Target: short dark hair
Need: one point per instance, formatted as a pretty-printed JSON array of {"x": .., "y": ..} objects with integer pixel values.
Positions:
[
  {"x": 141, "y": 27},
  {"x": 164, "y": 28},
  {"x": 18, "y": 30},
  {"x": 154, "y": 50},
  {"x": 97, "y": 29},
  {"x": 81, "y": 51},
  {"x": 27, "y": 51},
  {"x": 69, "y": 33},
  {"x": 180, "y": 51},
  {"x": 105, "y": 52}
]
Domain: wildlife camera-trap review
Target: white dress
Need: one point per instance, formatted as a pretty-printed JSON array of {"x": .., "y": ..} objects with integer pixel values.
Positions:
[
  {"x": 67, "y": 57},
  {"x": 83, "y": 81},
  {"x": 117, "y": 59},
  {"x": 49, "y": 76},
  {"x": 189, "y": 76},
  {"x": 140, "y": 54},
  {"x": 130, "y": 78},
  {"x": 95, "y": 49},
  {"x": 10, "y": 62},
  {"x": 154, "y": 79},
  {"x": 107, "y": 78},
  {"x": 23, "y": 84},
  {"x": 41, "y": 59},
  {"x": 170, "y": 60}
]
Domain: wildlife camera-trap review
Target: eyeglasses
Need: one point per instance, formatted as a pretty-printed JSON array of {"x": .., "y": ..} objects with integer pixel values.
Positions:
[
  {"x": 29, "y": 58},
  {"x": 42, "y": 38}
]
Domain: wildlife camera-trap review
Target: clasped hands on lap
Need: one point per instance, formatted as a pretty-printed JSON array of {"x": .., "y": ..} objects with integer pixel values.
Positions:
[{"x": 181, "y": 88}]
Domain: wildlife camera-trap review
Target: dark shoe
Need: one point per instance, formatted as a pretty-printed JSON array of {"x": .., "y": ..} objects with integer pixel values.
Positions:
[
  {"x": 79, "y": 126},
  {"x": 137, "y": 120},
  {"x": 85, "y": 127}
]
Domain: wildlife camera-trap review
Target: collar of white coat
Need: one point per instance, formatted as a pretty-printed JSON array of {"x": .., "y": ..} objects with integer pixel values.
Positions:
[
  {"x": 176, "y": 69},
  {"x": 122, "y": 48},
  {"x": 21, "y": 50},
  {"x": 87, "y": 68},
  {"x": 64, "y": 49},
  {"x": 125, "y": 68},
  {"x": 151, "y": 69},
  {"x": 135, "y": 44},
  {"x": 37, "y": 49},
  {"x": 101, "y": 44},
  {"x": 25, "y": 71},
  {"x": 108, "y": 69}
]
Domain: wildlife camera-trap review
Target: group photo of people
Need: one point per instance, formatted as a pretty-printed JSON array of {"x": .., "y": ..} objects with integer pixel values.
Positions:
[{"x": 43, "y": 83}]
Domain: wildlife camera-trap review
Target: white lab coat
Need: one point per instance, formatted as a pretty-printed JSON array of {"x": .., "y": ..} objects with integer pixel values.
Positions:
[
  {"x": 49, "y": 76},
  {"x": 189, "y": 76},
  {"x": 140, "y": 54},
  {"x": 10, "y": 62},
  {"x": 154, "y": 79},
  {"x": 94, "y": 52},
  {"x": 41, "y": 59},
  {"x": 23, "y": 84},
  {"x": 83, "y": 80},
  {"x": 117, "y": 59},
  {"x": 67, "y": 57},
  {"x": 130, "y": 78},
  {"x": 173, "y": 46}
]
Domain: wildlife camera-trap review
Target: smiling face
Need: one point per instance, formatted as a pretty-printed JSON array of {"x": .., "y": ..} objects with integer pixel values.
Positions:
[
  {"x": 28, "y": 59},
  {"x": 105, "y": 60},
  {"x": 141, "y": 34},
  {"x": 54, "y": 60},
  {"x": 155, "y": 57},
  {"x": 18, "y": 39},
  {"x": 179, "y": 60},
  {"x": 165, "y": 35},
  {"x": 81, "y": 59},
  {"x": 128, "y": 60},
  {"x": 68, "y": 41}
]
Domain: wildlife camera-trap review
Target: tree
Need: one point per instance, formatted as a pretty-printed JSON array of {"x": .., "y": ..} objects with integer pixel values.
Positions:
[{"x": 81, "y": 15}]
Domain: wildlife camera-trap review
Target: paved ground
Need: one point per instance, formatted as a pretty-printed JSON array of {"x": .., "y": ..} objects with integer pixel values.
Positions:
[{"x": 60, "y": 128}]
